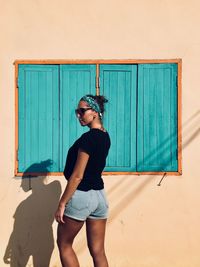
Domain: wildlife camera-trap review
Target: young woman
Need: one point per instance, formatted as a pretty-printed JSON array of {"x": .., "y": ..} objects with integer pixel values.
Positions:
[{"x": 84, "y": 198}]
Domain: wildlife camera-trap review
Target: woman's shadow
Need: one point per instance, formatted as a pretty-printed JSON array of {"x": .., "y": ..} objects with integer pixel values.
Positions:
[{"x": 32, "y": 233}]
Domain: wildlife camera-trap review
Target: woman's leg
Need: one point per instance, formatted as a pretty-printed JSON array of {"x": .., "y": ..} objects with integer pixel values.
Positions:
[
  {"x": 95, "y": 238},
  {"x": 66, "y": 234}
]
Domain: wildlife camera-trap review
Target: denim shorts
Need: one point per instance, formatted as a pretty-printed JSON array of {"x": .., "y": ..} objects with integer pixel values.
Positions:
[{"x": 87, "y": 204}]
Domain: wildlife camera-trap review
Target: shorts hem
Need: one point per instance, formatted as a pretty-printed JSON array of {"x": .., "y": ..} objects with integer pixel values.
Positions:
[
  {"x": 97, "y": 218},
  {"x": 74, "y": 217}
]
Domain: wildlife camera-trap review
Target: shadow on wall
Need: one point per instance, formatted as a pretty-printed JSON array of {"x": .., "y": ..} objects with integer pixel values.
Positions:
[
  {"x": 191, "y": 131},
  {"x": 32, "y": 233}
]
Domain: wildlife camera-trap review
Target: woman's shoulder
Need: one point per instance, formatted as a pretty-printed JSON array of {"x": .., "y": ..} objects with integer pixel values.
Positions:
[
  {"x": 94, "y": 133},
  {"x": 98, "y": 131}
]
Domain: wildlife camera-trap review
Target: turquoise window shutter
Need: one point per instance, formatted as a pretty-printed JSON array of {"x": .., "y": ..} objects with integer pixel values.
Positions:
[
  {"x": 141, "y": 115},
  {"x": 157, "y": 117},
  {"x": 38, "y": 102},
  {"x": 119, "y": 83},
  {"x": 75, "y": 82}
]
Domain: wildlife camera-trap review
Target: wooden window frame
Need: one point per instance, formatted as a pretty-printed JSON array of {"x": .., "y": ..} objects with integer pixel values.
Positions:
[{"x": 97, "y": 62}]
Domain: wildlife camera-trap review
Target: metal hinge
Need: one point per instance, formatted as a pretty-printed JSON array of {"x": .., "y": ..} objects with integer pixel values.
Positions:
[
  {"x": 99, "y": 81},
  {"x": 17, "y": 84},
  {"x": 17, "y": 159}
]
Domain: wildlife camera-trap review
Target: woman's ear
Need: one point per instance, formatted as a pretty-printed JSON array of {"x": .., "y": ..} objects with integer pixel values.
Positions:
[{"x": 95, "y": 115}]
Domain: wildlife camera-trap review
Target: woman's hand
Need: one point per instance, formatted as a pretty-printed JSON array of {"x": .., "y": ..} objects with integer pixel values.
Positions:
[
  {"x": 72, "y": 184},
  {"x": 59, "y": 214},
  {"x": 74, "y": 181}
]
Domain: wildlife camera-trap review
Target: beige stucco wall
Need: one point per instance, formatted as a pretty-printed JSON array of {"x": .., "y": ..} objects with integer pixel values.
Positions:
[{"x": 149, "y": 225}]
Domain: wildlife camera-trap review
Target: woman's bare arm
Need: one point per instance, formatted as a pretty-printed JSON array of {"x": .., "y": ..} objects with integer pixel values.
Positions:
[{"x": 74, "y": 181}]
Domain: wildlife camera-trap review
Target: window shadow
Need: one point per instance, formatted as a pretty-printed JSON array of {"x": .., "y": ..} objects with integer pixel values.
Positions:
[
  {"x": 133, "y": 190},
  {"x": 32, "y": 233}
]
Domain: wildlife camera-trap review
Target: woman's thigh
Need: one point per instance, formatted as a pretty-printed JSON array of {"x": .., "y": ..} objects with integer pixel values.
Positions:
[
  {"x": 67, "y": 231},
  {"x": 96, "y": 234}
]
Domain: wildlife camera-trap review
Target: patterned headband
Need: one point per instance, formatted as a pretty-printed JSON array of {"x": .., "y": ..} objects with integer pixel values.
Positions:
[{"x": 92, "y": 103}]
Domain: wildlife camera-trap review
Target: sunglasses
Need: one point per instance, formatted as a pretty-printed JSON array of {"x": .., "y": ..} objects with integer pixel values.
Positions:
[{"x": 81, "y": 111}]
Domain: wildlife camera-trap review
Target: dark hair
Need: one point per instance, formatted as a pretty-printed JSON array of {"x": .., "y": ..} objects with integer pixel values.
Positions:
[{"x": 101, "y": 100}]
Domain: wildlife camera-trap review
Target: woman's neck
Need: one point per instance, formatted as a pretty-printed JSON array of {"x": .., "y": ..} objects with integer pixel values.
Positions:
[{"x": 96, "y": 125}]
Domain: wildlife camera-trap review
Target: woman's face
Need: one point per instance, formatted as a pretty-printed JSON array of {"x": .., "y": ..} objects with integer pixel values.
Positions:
[{"x": 84, "y": 113}]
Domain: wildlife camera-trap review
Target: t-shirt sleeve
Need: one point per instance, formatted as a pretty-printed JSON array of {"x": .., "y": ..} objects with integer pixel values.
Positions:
[{"x": 87, "y": 143}]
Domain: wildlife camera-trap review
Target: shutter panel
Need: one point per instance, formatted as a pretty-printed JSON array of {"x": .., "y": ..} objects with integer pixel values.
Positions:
[
  {"x": 157, "y": 117},
  {"x": 38, "y": 142},
  {"x": 75, "y": 82},
  {"x": 118, "y": 84}
]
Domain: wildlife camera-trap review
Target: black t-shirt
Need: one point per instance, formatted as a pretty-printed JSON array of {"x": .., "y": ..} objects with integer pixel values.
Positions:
[{"x": 96, "y": 143}]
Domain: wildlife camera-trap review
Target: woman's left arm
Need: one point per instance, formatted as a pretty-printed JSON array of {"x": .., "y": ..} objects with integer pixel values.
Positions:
[{"x": 74, "y": 181}]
